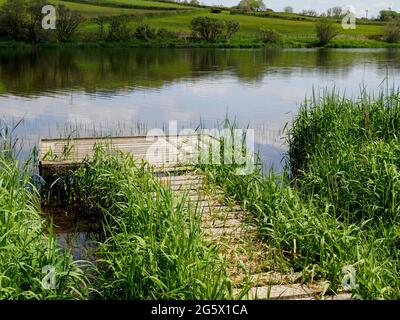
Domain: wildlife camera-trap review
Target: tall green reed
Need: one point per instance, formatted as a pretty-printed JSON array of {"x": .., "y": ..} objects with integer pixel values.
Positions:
[
  {"x": 153, "y": 246},
  {"x": 24, "y": 248},
  {"x": 339, "y": 206}
]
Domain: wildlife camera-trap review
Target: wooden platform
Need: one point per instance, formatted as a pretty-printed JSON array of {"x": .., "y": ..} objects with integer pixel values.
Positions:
[{"x": 165, "y": 153}]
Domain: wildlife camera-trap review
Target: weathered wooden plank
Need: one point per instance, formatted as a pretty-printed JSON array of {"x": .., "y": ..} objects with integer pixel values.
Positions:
[{"x": 163, "y": 152}]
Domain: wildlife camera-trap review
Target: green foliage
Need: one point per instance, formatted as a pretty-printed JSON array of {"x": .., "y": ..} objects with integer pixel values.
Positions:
[
  {"x": 153, "y": 245},
  {"x": 335, "y": 12},
  {"x": 391, "y": 32},
  {"x": 145, "y": 32},
  {"x": 231, "y": 27},
  {"x": 68, "y": 22},
  {"x": 12, "y": 19},
  {"x": 22, "y": 20},
  {"x": 387, "y": 15},
  {"x": 252, "y": 5},
  {"x": 119, "y": 29},
  {"x": 34, "y": 32},
  {"x": 209, "y": 29},
  {"x": 164, "y": 34},
  {"x": 25, "y": 248},
  {"x": 215, "y": 10},
  {"x": 340, "y": 206},
  {"x": 326, "y": 30},
  {"x": 269, "y": 36}
]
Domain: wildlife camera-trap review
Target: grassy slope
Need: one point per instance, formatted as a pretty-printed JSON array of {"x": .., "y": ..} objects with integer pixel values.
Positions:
[
  {"x": 149, "y": 3},
  {"x": 250, "y": 25},
  {"x": 300, "y": 31},
  {"x": 94, "y": 11}
]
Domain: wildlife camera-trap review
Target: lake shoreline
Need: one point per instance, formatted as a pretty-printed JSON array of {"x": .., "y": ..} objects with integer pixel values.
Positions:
[{"x": 195, "y": 45}]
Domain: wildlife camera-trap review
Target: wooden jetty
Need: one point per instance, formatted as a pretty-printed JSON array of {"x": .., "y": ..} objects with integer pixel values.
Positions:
[
  {"x": 227, "y": 226},
  {"x": 165, "y": 153}
]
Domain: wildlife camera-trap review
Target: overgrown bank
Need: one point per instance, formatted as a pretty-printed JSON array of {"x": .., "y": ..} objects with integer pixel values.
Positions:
[
  {"x": 29, "y": 257},
  {"x": 153, "y": 247},
  {"x": 336, "y": 214},
  {"x": 151, "y": 243},
  {"x": 338, "y": 210}
]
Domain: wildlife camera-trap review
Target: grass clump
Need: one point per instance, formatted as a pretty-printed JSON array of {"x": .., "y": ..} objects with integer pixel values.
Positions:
[
  {"x": 339, "y": 206},
  {"x": 268, "y": 36},
  {"x": 25, "y": 248},
  {"x": 326, "y": 30},
  {"x": 391, "y": 32},
  {"x": 153, "y": 247}
]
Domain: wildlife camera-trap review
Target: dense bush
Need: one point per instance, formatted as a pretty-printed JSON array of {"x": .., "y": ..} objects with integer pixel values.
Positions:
[
  {"x": 231, "y": 27},
  {"x": 339, "y": 205},
  {"x": 67, "y": 22},
  {"x": 269, "y": 36},
  {"x": 211, "y": 29},
  {"x": 153, "y": 246},
  {"x": 12, "y": 19},
  {"x": 215, "y": 10},
  {"x": 391, "y": 31},
  {"x": 164, "y": 34},
  {"x": 119, "y": 29},
  {"x": 326, "y": 30},
  {"x": 144, "y": 32},
  {"x": 22, "y": 20},
  {"x": 25, "y": 247},
  {"x": 238, "y": 11},
  {"x": 387, "y": 15},
  {"x": 252, "y": 5}
]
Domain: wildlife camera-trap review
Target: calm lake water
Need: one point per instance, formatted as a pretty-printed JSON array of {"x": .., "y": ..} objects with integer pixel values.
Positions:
[{"x": 127, "y": 91}]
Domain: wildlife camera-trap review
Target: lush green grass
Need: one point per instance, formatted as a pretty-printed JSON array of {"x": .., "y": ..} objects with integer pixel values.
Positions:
[
  {"x": 147, "y": 3},
  {"x": 153, "y": 246},
  {"x": 25, "y": 249},
  {"x": 91, "y": 11},
  {"x": 341, "y": 205},
  {"x": 249, "y": 25}
]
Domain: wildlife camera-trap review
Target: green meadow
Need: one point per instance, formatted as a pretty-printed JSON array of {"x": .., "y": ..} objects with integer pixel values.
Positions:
[{"x": 296, "y": 30}]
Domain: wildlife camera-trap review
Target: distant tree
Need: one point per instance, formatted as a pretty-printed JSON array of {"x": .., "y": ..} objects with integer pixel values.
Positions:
[
  {"x": 101, "y": 23},
  {"x": 335, "y": 12},
  {"x": 144, "y": 32},
  {"x": 391, "y": 32},
  {"x": 67, "y": 22},
  {"x": 209, "y": 29},
  {"x": 33, "y": 22},
  {"x": 194, "y": 2},
  {"x": 269, "y": 36},
  {"x": 231, "y": 27},
  {"x": 326, "y": 30},
  {"x": 288, "y": 9},
  {"x": 12, "y": 19},
  {"x": 310, "y": 13},
  {"x": 119, "y": 29},
  {"x": 387, "y": 15},
  {"x": 252, "y": 5},
  {"x": 215, "y": 10}
]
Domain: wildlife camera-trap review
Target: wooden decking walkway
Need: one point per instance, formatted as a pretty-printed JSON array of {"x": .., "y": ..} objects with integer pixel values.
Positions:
[{"x": 227, "y": 226}]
